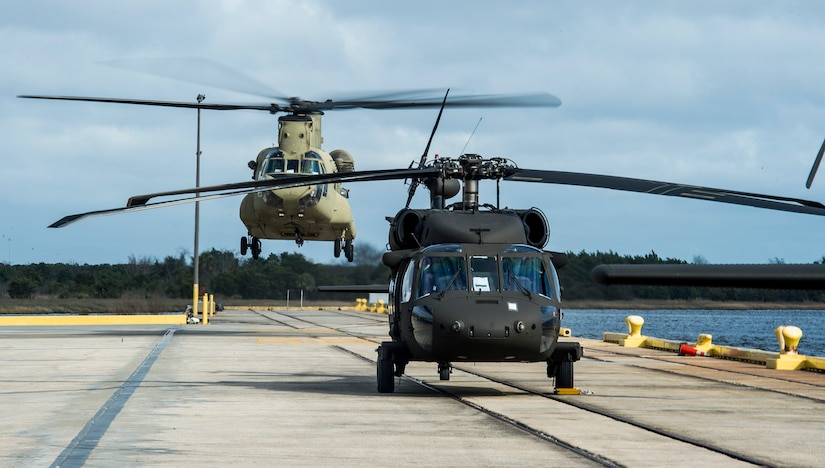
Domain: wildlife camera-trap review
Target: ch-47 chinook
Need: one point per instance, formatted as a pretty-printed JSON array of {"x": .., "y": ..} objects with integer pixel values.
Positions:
[
  {"x": 470, "y": 281},
  {"x": 317, "y": 212}
]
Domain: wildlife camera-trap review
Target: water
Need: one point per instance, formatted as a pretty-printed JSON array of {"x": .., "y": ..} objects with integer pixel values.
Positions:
[{"x": 736, "y": 328}]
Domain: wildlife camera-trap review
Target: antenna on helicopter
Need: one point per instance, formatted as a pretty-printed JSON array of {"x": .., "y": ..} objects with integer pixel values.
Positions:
[
  {"x": 471, "y": 136},
  {"x": 415, "y": 182},
  {"x": 815, "y": 166}
]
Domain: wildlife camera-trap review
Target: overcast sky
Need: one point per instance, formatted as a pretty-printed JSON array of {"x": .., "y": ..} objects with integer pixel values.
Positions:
[{"x": 720, "y": 94}]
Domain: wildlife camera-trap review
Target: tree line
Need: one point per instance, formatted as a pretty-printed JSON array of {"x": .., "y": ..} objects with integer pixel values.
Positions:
[{"x": 229, "y": 277}]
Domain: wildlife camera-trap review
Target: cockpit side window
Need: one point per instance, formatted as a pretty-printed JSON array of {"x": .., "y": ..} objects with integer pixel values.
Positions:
[{"x": 407, "y": 282}]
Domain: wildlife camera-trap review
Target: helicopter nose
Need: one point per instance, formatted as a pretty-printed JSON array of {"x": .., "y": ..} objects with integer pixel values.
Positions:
[{"x": 484, "y": 331}]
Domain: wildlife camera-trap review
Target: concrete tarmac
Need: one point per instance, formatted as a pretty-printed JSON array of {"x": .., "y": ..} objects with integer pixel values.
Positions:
[{"x": 297, "y": 388}]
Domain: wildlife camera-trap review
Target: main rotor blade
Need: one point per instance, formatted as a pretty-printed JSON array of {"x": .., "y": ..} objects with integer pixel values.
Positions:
[
  {"x": 488, "y": 100},
  {"x": 779, "y": 276},
  {"x": 654, "y": 187},
  {"x": 149, "y": 102},
  {"x": 205, "y": 71},
  {"x": 66, "y": 220},
  {"x": 818, "y": 160},
  {"x": 140, "y": 202},
  {"x": 289, "y": 181},
  {"x": 384, "y": 101}
]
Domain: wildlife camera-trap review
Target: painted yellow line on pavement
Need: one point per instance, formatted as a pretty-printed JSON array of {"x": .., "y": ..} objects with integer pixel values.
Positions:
[{"x": 62, "y": 320}]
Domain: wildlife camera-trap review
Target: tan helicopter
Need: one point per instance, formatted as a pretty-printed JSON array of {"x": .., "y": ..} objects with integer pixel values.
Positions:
[{"x": 316, "y": 212}]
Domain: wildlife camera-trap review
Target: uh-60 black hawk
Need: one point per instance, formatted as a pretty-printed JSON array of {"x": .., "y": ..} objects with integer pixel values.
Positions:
[{"x": 469, "y": 282}]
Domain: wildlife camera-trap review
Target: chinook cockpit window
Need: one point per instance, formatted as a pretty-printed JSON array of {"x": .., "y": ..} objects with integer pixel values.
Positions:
[
  {"x": 277, "y": 164},
  {"x": 439, "y": 274},
  {"x": 273, "y": 164},
  {"x": 311, "y": 164}
]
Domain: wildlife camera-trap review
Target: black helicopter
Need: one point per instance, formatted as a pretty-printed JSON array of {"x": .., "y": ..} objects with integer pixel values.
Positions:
[{"x": 469, "y": 282}]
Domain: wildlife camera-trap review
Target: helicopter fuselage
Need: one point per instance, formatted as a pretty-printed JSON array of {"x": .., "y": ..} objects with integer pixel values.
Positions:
[{"x": 313, "y": 212}]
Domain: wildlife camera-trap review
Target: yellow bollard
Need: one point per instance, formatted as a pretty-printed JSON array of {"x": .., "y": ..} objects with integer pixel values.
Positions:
[
  {"x": 789, "y": 359},
  {"x": 788, "y": 338},
  {"x": 634, "y": 331},
  {"x": 382, "y": 307},
  {"x": 211, "y": 304},
  {"x": 704, "y": 343},
  {"x": 634, "y": 325},
  {"x": 205, "y": 320}
]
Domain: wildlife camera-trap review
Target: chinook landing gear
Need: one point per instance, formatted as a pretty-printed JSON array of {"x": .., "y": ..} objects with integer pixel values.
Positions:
[
  {"x": 345, "y": 246},
  {"x": 251, "y": 243}
]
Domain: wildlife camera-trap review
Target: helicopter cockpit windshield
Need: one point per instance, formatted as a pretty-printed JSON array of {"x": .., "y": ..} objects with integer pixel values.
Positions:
[
  {"x": 275, "y": 164},
  {"x": 442, "y": 273},
  {"x": 519, "y": 268},
  {"x": 524, "y": 274}
]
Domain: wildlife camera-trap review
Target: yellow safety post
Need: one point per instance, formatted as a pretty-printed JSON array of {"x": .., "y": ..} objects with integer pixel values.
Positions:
[
  {"x": 789, "y": 358},
  {"x": 205, "y": 320},
  {"x": 212, "y": 304},
  {"x": 382, "y": 307},
  {"x": 704, "y": 343},
  {"x": 634, "y": 331}
]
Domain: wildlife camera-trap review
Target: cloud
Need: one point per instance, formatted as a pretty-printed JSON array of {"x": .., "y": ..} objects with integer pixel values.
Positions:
[{"x": 724, "y": 95}]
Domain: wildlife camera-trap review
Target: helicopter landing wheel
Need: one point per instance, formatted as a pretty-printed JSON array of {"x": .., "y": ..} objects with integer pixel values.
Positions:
[
  {"x": 444, "y": 370},
  {"x": 564, "y": 374},
  {"x": 244, "y": 245},
  {"x": 256, "y": 248},
  {"x": 349, "y": 250},
  {"x": 336, "y": 248},
  {"x": 384, "y": 368}
]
